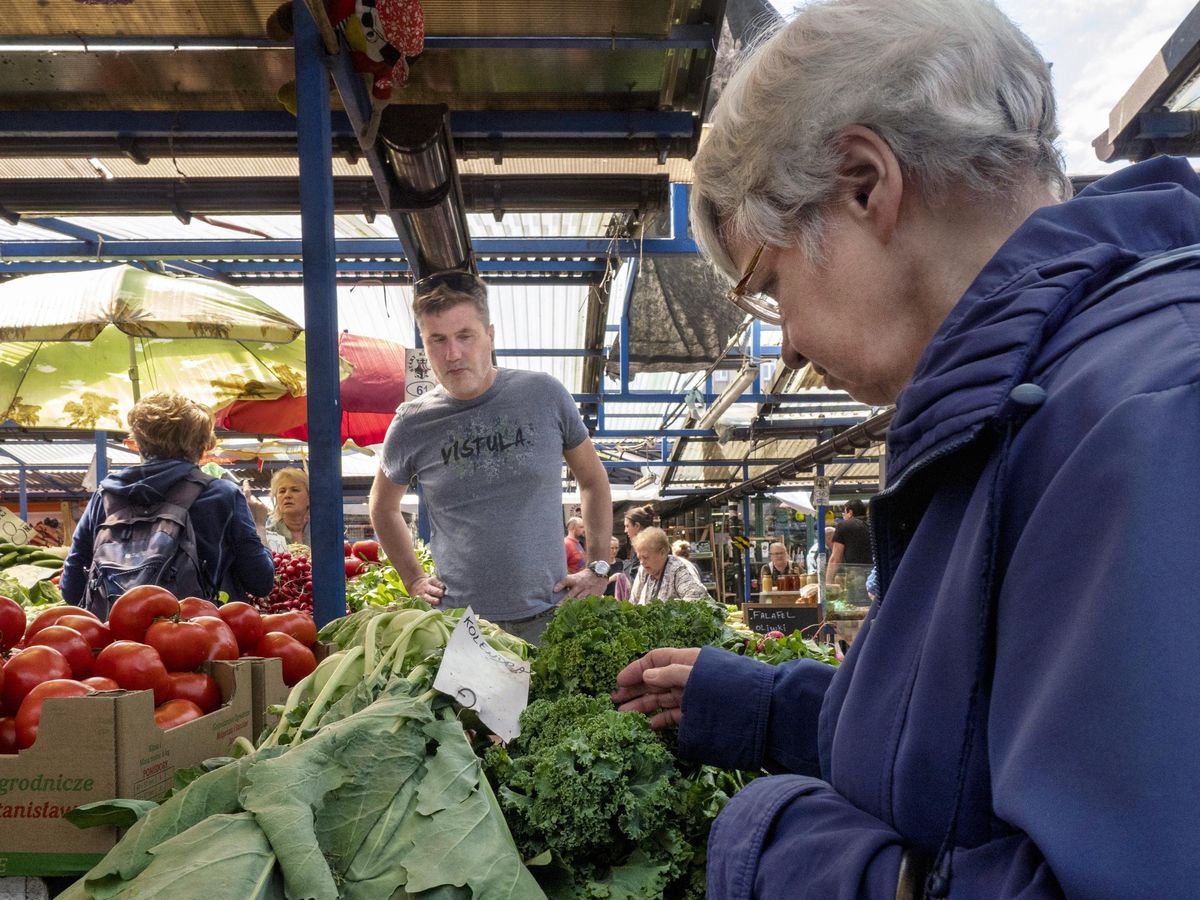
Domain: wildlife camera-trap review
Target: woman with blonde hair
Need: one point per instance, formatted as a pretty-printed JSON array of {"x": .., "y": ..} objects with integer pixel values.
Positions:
[
  {"x": 172, "y": 434},
  {"x": 292, "y": 503}
]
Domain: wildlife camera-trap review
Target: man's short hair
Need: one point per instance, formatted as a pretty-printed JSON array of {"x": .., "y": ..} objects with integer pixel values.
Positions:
[
  {"x": 442, "y": 291},
  {"x": 574, "y": 520},
  {"x": 857, "y": 507}
]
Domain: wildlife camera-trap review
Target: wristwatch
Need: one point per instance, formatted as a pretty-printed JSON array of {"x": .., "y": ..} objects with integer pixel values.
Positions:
[{"x": 599, "y": 567}]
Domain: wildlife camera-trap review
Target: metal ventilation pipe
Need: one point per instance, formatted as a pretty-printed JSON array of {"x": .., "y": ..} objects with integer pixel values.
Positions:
[{"x": 420, "y": 153}]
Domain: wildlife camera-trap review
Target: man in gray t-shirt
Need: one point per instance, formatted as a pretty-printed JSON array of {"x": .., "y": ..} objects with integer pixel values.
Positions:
[{"x": 487, "y": 446}]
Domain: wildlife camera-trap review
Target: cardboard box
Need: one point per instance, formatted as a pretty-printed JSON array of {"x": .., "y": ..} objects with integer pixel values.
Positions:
[{"x": 98, "y": 748}]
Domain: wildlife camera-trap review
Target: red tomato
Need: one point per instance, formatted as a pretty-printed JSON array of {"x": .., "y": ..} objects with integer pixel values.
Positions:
[
  {"x": 190, "y": 607},
  {"x": 368, "y": 550},
  {"x": 8, "y": 734},
  {"x": 134, "y": 611},
  {"x": 299, "y": 625},
  {"x": 102, "y": 684},
  {"x": 245, "y": 622},
  {"x": 135, "y": 667},
  {"x": 174, "y": 713},
  {"x": 354, "y": 566},
  {"x": 12, "y": 623},
  {"x": 298, "y": 660},
  {"x": 29, "y": 668},
  {"x": 182, "y": 645},
  {"x": 349, "y": 548},
  {"x": 29, "y": 716},
  {"x": 201, "y": 689},
  {"x": 222, "y": 643},
  {"x": 71, "y": 644},
  {"x": 51, "y": 617},
  {"x": 94, "y": 631}
]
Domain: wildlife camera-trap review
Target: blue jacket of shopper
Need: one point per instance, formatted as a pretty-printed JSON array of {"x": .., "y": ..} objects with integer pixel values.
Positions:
[
  {"x": 227, "y": 543},
  {"x": 1034, "y": 658}
]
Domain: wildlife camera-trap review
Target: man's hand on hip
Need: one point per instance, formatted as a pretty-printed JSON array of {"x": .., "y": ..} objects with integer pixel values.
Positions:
[
  {"x": 585, "y": 583},
  {"x": 428, "y": 587}
]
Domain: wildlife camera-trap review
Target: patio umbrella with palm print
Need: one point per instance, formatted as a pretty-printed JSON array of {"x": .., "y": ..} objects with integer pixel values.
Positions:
[{"x": 77, "y": 349}]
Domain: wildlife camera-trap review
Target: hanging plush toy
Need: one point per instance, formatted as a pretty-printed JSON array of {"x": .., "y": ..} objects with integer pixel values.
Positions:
[{"x": 382, "y": 36}]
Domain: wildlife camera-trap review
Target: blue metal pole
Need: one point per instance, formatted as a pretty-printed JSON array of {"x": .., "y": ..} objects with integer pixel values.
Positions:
[
  {"x": 626, "y": 304},
  {"x": 102, "y": 456},
  {"x": 747, "y": 565},
  {"x": 320, "y": 317},
  {"x": 23, "y": 495}
]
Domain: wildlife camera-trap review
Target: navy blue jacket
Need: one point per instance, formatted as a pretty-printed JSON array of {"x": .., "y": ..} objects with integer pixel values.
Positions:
[
  {"x": 226, "y": 541},
  {"x": 1036, "y": 549}
]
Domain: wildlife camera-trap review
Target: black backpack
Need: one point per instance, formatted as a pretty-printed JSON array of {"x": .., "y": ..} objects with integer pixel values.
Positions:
[{"x": 136, "y": 545}]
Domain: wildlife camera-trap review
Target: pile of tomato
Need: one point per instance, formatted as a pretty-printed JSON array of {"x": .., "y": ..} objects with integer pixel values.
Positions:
[
  {"x": 360, "y": 556},
  {"x": 151, "y": 641}
]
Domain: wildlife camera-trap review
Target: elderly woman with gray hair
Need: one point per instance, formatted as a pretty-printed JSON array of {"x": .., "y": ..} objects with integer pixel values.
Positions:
[
  {"x": 662, "y": 575},
  {"x": 881, "y": 181}
]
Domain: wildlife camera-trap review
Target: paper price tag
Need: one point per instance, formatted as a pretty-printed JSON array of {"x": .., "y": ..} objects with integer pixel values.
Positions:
[
  {"x": 418, "y": 374},
  {"x": 820, "y": 491},
  {"x": 479, "y": 678},
  {"x": 13, "y": 528}
]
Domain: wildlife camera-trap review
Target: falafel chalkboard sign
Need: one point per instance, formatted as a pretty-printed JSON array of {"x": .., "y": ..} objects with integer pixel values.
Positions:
[{"x": 762, "y": 618}]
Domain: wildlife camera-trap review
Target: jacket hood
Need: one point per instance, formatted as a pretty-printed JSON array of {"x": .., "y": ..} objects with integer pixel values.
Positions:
[
  {"x": 1038, "y": 279},
  {"x": 148, "y": 483}
]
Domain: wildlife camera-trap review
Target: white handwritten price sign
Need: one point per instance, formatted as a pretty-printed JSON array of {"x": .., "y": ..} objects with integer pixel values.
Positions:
[
  {"x": 483, "y": 679},
  {"x": 13, "y": 528}
]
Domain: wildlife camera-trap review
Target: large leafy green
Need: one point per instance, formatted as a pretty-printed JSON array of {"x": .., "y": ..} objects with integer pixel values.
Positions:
[{"x": 220, "y": 856}]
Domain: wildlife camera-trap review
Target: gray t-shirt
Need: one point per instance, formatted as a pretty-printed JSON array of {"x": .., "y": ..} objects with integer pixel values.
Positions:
[{"x": 490, "y": 471}]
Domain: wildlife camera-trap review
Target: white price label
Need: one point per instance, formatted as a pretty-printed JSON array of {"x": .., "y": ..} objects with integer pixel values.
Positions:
[
  {"x": 480, "y": 678},
  {"x": 13, "y": 528},
  {"x": 820, "y": 492},
  {"x": 418, "y": 374}
]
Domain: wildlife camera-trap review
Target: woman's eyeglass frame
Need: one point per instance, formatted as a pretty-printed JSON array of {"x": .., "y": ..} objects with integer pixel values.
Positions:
[{"x": 757, "y": 305}]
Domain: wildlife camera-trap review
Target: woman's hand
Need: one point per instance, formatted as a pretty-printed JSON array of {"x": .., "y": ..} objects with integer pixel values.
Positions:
[
  {"x": 654, "y": 684},
  {"x": 258, "y": 509}
]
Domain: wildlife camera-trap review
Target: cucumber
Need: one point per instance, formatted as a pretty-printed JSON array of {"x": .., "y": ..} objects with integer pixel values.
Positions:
[
  {"x": 47, "y": 563},
  {"x": 8, "y": 559},
  {"x": 8, "y": 547},
  {"x": 42, "y": 553}
]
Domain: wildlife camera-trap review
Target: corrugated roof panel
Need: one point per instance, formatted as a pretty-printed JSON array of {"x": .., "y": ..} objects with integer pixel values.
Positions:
[
  {"x": 678, "y": 170},
  {"x": 545, "y": 224},
  {"x": 60, "y": 453}
]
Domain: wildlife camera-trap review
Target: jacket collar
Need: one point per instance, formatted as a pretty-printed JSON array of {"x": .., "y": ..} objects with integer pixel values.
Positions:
[{"x": 991, "y": 339}]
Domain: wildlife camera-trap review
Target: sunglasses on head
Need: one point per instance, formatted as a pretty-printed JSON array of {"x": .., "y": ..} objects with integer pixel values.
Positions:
[{"x": 453, "y": 279}]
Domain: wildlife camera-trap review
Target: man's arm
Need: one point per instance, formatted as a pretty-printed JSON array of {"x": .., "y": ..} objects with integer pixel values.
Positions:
[
  {"x": 835, "y": 560},
  {"x": 388, "y": 522},
  {"x": 596, "y": 499}
]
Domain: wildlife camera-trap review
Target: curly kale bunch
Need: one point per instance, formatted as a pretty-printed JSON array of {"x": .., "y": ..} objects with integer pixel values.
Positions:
[
  {"x": 597, "y": 799},
  {"x": 591, "y": 639}
]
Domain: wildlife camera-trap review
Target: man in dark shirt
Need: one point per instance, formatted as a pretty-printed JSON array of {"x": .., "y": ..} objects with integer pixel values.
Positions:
[{"x": 851, "y": 548}]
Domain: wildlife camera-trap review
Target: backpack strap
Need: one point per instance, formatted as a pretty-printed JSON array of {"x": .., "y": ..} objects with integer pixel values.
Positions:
[{"x": 1179, "y": 258}]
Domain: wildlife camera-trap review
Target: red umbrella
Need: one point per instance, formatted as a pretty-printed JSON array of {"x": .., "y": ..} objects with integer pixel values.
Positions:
[{"x": 370, "y": 395}]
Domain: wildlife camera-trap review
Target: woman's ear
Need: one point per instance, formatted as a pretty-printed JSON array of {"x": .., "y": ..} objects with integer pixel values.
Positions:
[{"x": 872, "y": 179}]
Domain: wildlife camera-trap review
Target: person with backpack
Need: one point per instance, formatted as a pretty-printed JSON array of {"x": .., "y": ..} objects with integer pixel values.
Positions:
[{"x": 166, "y": 522}]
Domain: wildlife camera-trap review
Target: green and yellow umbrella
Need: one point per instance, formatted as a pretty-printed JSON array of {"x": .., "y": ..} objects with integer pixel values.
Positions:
[{"x": 77, "y": 349}]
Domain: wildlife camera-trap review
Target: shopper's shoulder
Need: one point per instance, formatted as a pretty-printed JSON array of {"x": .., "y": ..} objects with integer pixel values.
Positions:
[{"x": 523, "y": 380}]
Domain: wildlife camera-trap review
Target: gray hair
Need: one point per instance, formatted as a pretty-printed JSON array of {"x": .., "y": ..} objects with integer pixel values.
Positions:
[{"x": 960, "y": 94}]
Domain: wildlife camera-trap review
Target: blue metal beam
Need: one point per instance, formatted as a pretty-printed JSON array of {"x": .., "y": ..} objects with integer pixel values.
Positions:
[
  {"x": 678, "y": 397},
  {"x": 689, "y": 463},
  {"x": 320, "y": 317},
  {"x": 681, "y": 37},
  {"x": 353, "y": 247},
  {"x": 524, "y": 352},
  {"x": 276, "y": 123},
  {"x": 97, "y": 238}
]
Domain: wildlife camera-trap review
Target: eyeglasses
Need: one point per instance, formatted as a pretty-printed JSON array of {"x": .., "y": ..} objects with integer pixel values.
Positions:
[
  {"x": 454, "y": 279},
  {"x": 758, "y": 305}
]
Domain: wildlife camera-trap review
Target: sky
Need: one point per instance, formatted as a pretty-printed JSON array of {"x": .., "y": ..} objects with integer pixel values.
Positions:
[{"x": 1097, "y": 48}]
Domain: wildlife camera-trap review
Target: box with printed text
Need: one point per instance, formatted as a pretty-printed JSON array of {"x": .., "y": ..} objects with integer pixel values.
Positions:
[{"x": 101, "y": 747}]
